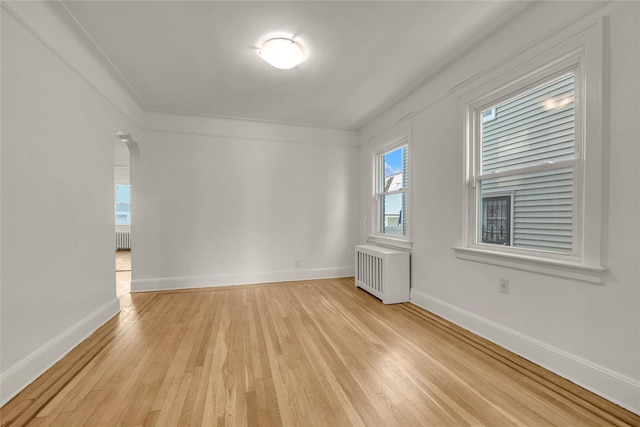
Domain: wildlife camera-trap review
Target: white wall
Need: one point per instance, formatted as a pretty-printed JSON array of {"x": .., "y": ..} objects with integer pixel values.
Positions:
[
  {"x": 215, "y": 201},
  {"x": 57, "y": 278},
  {"x": 220, "y": 202},
  {"x": 120, "y": 162},
  {"x": 588, "y": 333},
  {"x": 121, "y": 174},
  {"x": 206, "y": 211}
]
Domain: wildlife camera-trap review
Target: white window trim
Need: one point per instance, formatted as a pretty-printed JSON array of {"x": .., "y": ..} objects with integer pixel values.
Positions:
[
  {"x": 571, "y": 63},
  {"x": 382, "y": 144},
  {"x": 581, "y": 48}
]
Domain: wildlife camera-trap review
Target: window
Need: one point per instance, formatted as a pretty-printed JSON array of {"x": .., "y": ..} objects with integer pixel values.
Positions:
[
  {"x": 488, "y": 115},
  {"x": 529, "y": 149},
  {"x": 123, "y": 204},
  {"x": 391, "y": 189},
  {"x": 532, "y": 160},
  {"x": 496, "y": 220}
]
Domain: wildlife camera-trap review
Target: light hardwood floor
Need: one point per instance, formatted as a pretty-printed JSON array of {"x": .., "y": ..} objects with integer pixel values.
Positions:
[
  {"x": 310, "y": 353},
  {"x": 123, "y": 276}
]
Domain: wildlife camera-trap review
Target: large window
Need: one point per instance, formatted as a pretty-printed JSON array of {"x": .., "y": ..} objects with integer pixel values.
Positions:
[
  {"x": 123, "y": 204},
  {"x": 392, "y": 183},
  {"x": 532, "y": 160},
  {"x": 528, "y": 149}
]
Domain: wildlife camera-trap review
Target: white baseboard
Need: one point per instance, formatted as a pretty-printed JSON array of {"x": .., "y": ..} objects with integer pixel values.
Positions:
[
  {"x": 611, "y": 385},
  {"x": 188, "y": 282},
  {"x": 23, "y": 373}
]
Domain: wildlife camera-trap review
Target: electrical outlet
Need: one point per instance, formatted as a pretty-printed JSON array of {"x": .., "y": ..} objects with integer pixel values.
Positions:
[
  {"x": 504, "y": 286},
  {"x": 296, "y": 263}
]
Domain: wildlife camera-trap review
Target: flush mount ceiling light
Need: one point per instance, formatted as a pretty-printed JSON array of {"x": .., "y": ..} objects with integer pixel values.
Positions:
[{"x": 282, "y": 53}]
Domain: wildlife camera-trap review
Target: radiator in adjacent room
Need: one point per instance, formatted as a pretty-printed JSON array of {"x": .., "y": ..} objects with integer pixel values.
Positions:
[
  {"x": 383, "y": 272},
  {"x": 123, "y": 240}
]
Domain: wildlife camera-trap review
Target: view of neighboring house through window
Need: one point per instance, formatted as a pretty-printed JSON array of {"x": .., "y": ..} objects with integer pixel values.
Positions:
[
  {"x": 392, "y": 191},
  {"x": 123, "y": 204},
  {"x": 525, "y": 189}
]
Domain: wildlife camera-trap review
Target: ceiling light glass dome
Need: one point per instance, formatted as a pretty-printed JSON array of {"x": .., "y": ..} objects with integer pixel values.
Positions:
[{"x": 282, "y": 53}]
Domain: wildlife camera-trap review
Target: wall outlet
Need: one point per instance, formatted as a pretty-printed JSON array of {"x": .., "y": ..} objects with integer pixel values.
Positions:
[
  {"x": 504, "y": 286},
  {"x": 296, "y": 263}
]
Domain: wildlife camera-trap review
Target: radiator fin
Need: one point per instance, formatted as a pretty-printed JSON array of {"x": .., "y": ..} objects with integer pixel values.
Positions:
[{"x": 123, "y": 240}]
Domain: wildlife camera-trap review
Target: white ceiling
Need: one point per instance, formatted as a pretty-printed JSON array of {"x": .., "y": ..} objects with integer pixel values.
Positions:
[{"x": 200, "y": 57}]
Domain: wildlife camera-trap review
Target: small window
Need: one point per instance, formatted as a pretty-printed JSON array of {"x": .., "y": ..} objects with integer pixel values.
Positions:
[
  {"x": 488, "y": 115},
  {"x": 496, "y": 220},
  {"x": 123, "y": 204},
  {"x": 391, "y": 190}
]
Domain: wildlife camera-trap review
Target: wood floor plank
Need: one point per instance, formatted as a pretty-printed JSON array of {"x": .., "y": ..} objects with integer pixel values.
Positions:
[{"x": 310, "y": 353}]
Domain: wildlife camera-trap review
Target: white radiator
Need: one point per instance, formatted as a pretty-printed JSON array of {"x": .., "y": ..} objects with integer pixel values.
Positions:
[
  {"x": 383, "y": 273},
  {"x": 123, "y": 240}
]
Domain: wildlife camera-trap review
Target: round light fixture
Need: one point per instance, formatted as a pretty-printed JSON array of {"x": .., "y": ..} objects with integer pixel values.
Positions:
[{"x": 282, "y": 53}]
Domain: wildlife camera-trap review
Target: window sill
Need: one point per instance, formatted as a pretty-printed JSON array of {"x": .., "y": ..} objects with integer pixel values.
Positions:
[
  {"x": 390, "y": 242},
  {"x": 567, "y": 270}
]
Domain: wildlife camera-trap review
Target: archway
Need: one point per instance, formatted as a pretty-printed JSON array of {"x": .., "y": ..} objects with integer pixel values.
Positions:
[{"x": 122, "y": 209}]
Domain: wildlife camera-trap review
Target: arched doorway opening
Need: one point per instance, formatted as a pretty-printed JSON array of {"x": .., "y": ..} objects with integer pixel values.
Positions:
[{"x": 124, "y": 147}]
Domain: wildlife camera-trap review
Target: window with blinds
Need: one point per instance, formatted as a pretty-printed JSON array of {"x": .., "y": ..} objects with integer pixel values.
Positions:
[
  {"x": 391, "y": 190},
  {"x": 527, "y": 149}
]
